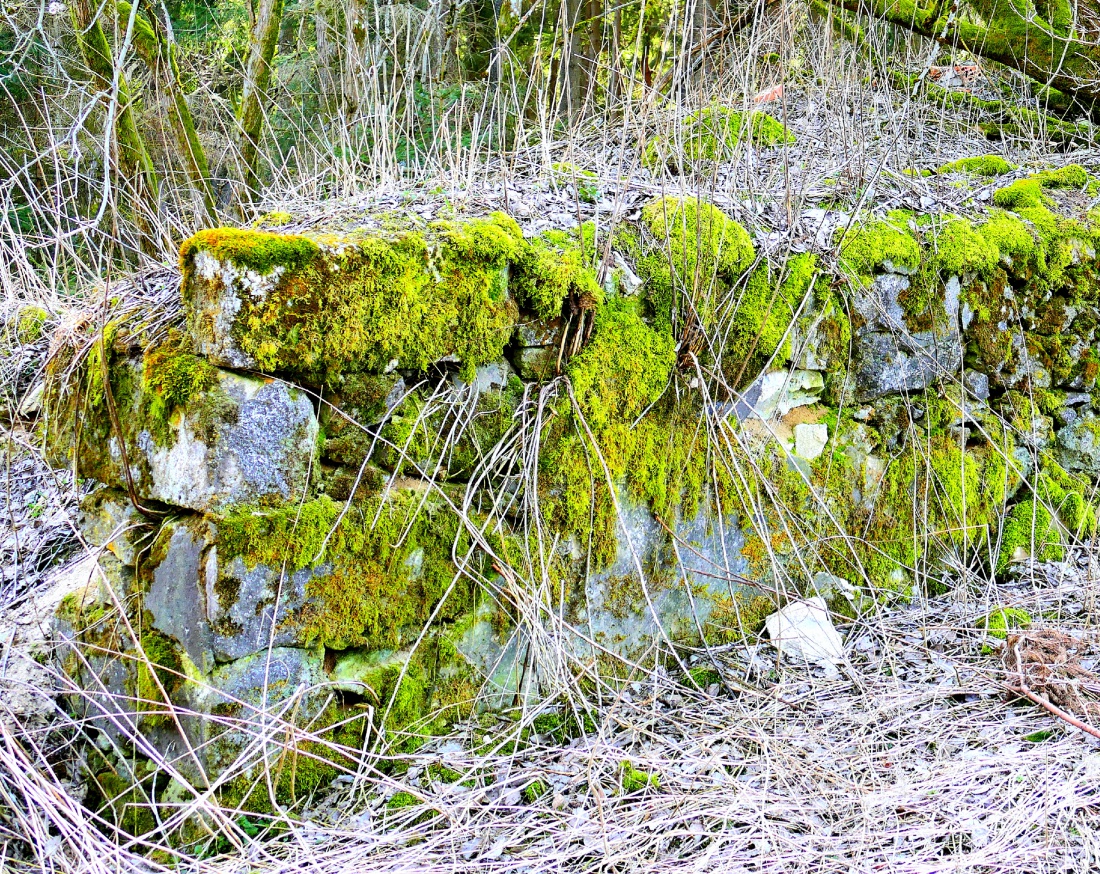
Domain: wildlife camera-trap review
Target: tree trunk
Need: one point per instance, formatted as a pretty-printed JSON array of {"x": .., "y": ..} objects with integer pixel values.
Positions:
[
  {"x": 160, "y": 57},
  {"x": 1055, "y": 53},
  {"x": 266, "y": 19},
  {"x": 133, "y": 161}
]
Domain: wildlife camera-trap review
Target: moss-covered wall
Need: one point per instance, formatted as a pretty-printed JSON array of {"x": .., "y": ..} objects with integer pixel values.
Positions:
[{"x": 465, "y": 417}]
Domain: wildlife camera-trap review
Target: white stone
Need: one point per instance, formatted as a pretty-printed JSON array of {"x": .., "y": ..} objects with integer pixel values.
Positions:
[
  {"x": 803, "y": 630},
  {"x": 810, "y": 440}
]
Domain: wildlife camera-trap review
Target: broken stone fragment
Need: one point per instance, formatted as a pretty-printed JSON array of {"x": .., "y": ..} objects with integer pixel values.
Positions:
[
  {"x": 241, "y": 440},
  {"x": 890, "y": 363},
  {"x": 810, "y": 440}
]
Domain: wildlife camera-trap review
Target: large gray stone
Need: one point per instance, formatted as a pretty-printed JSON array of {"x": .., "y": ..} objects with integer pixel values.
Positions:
[
  {"x": 242, "y": 441},
  {"x": 1079, "y": 446},
  {"x": 890, "y": 363}
]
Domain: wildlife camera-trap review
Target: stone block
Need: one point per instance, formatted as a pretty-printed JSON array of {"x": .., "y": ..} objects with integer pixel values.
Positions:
[{"x": 240, "y": 440}]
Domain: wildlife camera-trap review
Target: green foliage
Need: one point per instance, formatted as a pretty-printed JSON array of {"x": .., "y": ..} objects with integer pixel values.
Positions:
[
  {"x": 712, "y": 134},
  {"x": 587, "y": 182},
  {"x": 402, "y": 799},
  {"x": 982, "y": 165}
]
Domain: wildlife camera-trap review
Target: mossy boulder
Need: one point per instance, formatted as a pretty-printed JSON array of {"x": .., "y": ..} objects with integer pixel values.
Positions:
[{"x": 321, "y": 304}]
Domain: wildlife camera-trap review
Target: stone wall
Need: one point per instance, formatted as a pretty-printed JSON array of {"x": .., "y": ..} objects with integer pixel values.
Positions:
[{"x": 364, "y": 452}]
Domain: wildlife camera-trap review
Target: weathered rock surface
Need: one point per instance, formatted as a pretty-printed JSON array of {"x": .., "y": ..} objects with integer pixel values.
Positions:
[{"x": 244, "y": 440}]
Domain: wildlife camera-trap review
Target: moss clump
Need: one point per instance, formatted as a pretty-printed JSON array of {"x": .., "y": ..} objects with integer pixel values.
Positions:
[
  {"x": 982, "y": 165},
  {"x": 29, "y": 323},
  {"x": 1028, "y": 193},
  {"x": 1004, "y": 619},
  {"x": 712, "y": 134},
  {"x": 555, "y": 268},
  {"x": 1021, "y": 194},
  {"x": 360, "y": 302},
  {"x": 633, "y": 780},
  {"x": 161, "y": 668},
  {"x": 254, "y": 250},
  {"x": 173, "y": 377},
  {"x": 402, "y": 799},
  {"x": 1055, "y": 511},
  {"x": 388, "y": 564},
  {"x": 1029, "y": 531},
  {"x": 868, "y": 248},
  {"x": 624, "y": 369},
  {"x": 960, "y": 249},
  {"x": 757, "y": 328},
  {"x": 700, "y": 253}
]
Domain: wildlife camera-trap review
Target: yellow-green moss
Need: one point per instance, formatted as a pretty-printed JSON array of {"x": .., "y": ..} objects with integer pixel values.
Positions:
[
  {"x": 982, "y": 165},
  {"x": 1004, "y": 619},
  {"x": 634, "y": 780},
  {"x": 373, "y": 590},
  {"x": 554, "y": 267},
  {"x": 756, "y": 328},
  {"x": 160, "y": 668},
  {"x": 867, "y": 248},
  {"x": 360, "y": 302},
  {"x": 700, "y": 252},
  {"x": 29, "y": 323}
]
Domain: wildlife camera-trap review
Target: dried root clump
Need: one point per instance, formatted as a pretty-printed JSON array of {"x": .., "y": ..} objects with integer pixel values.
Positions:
[{"x": 1047, "y": 664}]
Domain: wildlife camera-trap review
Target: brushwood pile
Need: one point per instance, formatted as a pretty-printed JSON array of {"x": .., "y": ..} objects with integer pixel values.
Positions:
[{"x": 365, "y": 458}]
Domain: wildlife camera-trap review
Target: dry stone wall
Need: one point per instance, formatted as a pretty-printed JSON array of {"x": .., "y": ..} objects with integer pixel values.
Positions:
[{"x": 364, "y": 452}]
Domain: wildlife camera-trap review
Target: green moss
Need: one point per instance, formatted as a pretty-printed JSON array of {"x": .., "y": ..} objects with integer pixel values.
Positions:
[
  {"x": 1072, "y": 176},
  {"x": 123, "y": 803},
  {"x": 402, "y": 799},
  {"x": 999, "y": 622},
  {"x": 555, "y": 268},
  {"x": 161, "y": 668},
  {"x": 1029, "y": 530},
  {"x": 633, "y": 780},
  {"x": 1028, "y": 193},
  {"x": 756, "y": 330},
  {"x": 867, "y": 248},
  {"x": 960, "y": 249},
  {"x": 359, "y": 302},
  {"x": 388, "y": 564},
  {"x": 702, "y": 677},
  {"x": 173, "y": 377},
  {"x": 1021, "y": 194},
  {"x": 700, "y": 254},
  {"x": 254, "y": 250},
  {"x": 623, "y": 370},
  {"x": 712, "y": 134},
  {"x": 982, "y": 165},
  {"x": 29, "y": 322}
]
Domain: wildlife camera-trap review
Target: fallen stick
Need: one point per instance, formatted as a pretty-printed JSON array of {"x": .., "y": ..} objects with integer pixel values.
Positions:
[{"x": 1022, "y": 689}]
